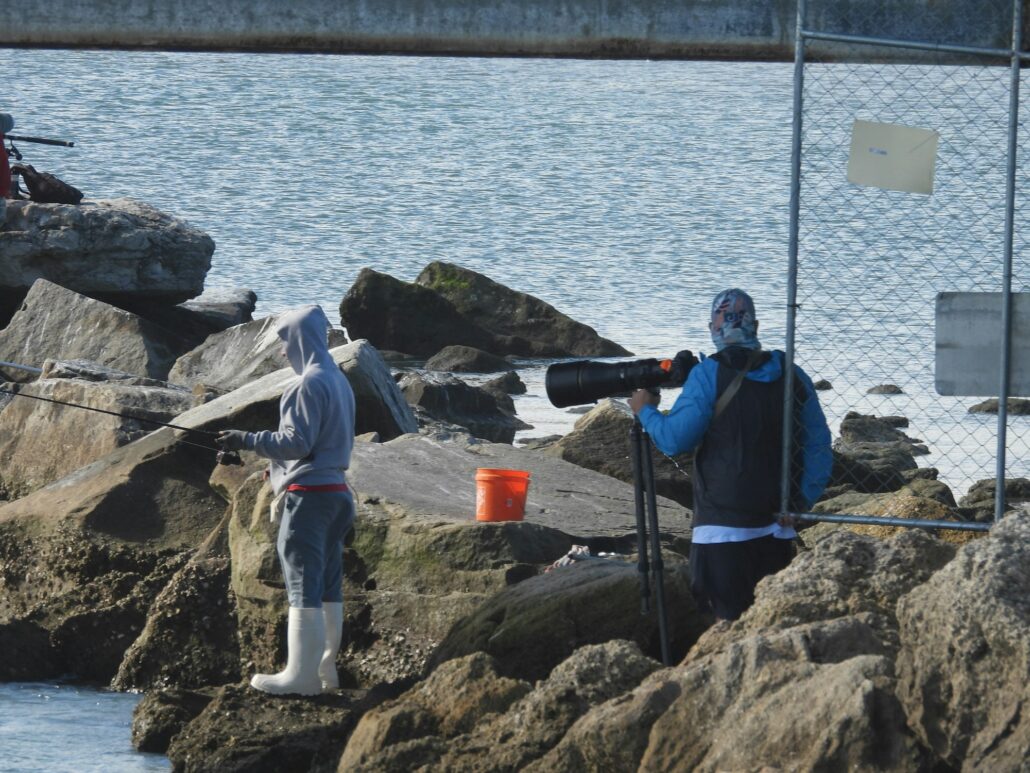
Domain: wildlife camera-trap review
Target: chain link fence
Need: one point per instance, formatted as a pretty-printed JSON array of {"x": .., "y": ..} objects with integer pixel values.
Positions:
[{"x": 870, "y": 262}]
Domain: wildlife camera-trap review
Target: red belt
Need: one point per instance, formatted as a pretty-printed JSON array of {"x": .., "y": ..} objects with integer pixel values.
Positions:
[{"x": 334, "y": 487}]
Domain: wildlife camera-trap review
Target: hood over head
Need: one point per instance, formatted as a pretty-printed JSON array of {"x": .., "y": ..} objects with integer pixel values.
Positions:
[
  {"x": 733, "y": 320},
  {"x": 305, "y": 332}
]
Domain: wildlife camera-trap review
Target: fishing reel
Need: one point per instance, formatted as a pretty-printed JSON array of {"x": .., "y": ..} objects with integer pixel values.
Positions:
[{"x": 229, "y": 458}]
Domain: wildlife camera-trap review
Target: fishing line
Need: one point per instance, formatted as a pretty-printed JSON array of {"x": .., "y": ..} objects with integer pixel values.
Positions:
[{"x": 122, "y": 416}]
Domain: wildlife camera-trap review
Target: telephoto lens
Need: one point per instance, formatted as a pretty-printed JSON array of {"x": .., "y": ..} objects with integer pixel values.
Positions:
[{"x": 586, "y": 381}]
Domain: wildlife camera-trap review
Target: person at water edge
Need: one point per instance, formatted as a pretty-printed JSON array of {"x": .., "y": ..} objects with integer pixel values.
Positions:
[
  {"x": 308, "y": 455},
  {"x": 730, "y": 413}
]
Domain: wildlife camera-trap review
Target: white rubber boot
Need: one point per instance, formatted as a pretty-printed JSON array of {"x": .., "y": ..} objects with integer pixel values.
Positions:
[
  {"x": 333, "y": 613},
  {"x": 305, "y": 641}
]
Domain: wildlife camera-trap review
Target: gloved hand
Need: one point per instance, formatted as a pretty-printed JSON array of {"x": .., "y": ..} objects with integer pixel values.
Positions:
[{"x": 231, "y": 439}]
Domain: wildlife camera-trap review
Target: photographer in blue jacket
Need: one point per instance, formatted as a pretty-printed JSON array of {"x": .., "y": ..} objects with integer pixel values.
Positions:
[{"x": 730, "y": 413}]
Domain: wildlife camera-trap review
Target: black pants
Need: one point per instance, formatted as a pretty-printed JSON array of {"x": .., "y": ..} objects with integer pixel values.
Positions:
[{"x": 723, "y": 575}]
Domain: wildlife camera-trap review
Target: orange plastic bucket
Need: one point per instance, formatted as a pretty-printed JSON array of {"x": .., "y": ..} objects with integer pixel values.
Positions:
[{"x": 501, "y": 494}]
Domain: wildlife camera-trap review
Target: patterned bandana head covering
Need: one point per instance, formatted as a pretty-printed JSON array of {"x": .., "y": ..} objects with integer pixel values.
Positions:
[{"x": 733, "y": 320}]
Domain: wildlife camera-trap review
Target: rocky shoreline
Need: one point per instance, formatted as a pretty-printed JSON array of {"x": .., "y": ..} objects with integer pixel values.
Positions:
[{"x": 130, "y": 559}]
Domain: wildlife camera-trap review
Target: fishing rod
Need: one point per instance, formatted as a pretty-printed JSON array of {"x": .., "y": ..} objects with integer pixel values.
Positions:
[{"x": 224, "y": 457}]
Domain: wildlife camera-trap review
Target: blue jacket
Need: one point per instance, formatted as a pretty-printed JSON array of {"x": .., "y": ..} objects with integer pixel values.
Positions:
[{"x": 685, "y": 425}]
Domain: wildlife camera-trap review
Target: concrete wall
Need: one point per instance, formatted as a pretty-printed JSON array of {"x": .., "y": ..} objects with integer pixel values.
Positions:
[{"x": 751, "y": 29}]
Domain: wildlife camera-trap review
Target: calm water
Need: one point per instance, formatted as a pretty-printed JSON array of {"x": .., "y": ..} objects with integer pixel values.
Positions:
[{"x": 626, "y": 194}]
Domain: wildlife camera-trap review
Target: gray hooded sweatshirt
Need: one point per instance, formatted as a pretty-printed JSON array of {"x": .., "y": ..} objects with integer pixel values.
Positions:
[{"x": 313, "y": 444}]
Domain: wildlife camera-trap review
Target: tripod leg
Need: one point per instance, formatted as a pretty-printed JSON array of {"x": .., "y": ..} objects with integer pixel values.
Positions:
[
  {"x": 637, "y": 441},
  {"x": 657, "y": 565}
]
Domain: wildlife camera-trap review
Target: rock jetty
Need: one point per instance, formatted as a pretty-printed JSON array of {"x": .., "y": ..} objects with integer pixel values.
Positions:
[{"x": 136, "y": 562}]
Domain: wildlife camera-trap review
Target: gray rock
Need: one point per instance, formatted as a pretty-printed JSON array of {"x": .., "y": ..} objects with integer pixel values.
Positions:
[
  {"x": 466, "y": 707},
  {"x": 466, "y": 359},
  {"x": 194, "y": 321},
  {"x": 600, "y": 441},
  {"x": 56, "y": 323},
  {"x": 719, "y": 715},
  {"x": 430, "y": 564},
  {"x": 531, "y": 627},
  {"x": 379, "y": 404},
  {"x": 41, "y": 441},
  {"x": 398, "y": 316},
  {"x": 843, "y": 575},
  {"x": 822, "y": 385},
  {"x": 869, "y": 470},
  {"x": 457, "y": 696},
  {"x": 965, "y": 658},
  {"x": 885, "y": 389},
  {"x": 80, "y": 602},
  {"x": 979, "y": 500},
  {"x": 1017, "y": 406},
  {"x": 224, "y": 307},
  {"x": 84, "y": 370},
  {"x": 539, "y": 443},
  {"x": 858, "y": 428},
  {"x": 104, "y": 248},
  {"x": 162, "y": 714},
  {"x": 437, "y": 480},
  {"x": 506, "y": 312},
  {"x": 509, "y": 383},
  {"x": 486, "y": 415},
  {"x": 237, "y": 355},
  {"x": 189, "y": 638},
  {"x": 243, "y": 730}
]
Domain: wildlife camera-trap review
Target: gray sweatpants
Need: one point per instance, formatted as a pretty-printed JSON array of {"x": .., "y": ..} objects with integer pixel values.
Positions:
[{"x": 310, "y": 545}]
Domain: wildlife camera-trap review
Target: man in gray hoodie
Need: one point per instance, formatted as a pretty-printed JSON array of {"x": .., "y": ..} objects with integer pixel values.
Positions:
[{"x": 309, "y": 455}]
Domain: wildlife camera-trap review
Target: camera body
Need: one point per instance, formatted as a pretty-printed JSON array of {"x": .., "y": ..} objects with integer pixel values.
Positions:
[{"x": 586, "y": 381}]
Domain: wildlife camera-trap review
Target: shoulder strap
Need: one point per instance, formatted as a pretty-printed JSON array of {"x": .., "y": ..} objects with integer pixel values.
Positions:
[{"x": 734, "y": 386}]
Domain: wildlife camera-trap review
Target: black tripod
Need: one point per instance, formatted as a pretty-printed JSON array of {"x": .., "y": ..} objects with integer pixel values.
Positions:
[{"x": 643, "y": 482}]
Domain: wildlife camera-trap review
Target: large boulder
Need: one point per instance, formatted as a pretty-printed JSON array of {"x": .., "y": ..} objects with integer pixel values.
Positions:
[
  {"x": 215, "y": 310},
  {"x": 111, "y": 248},
  {"x": 843, "y": 576},
  {"x": 507, "y": 312},
  {"x": 465, "y": 707},
  {"x": 189, "y": 638},
  {"x": 420, "y": 563},
  {"x": 421, "y": 320},
  {"x": 600, "y": 440},
  {"x": 379, "y": 404},
  {"x": 42, "y": 441},
  {"x": 71, "y": 606},
  {"x": 242, "y": 730},
  {"x": 486, "y": 414},
  {"x": 964, "y": 665},
  {"x": 531, "y": 627},
  {"x": 403, "y": 317},
  {"x": 243, "y": 353},
  {"x": 60, "y": 324},
  {"x": 764, "y": 703}
]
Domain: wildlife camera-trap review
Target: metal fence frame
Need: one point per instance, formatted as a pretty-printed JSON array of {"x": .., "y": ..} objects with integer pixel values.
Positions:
[{"x": 1015, "y": 56}]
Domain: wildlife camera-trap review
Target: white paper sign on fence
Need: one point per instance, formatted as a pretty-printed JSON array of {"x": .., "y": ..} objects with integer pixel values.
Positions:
[{"x": 893, "y": 157}]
